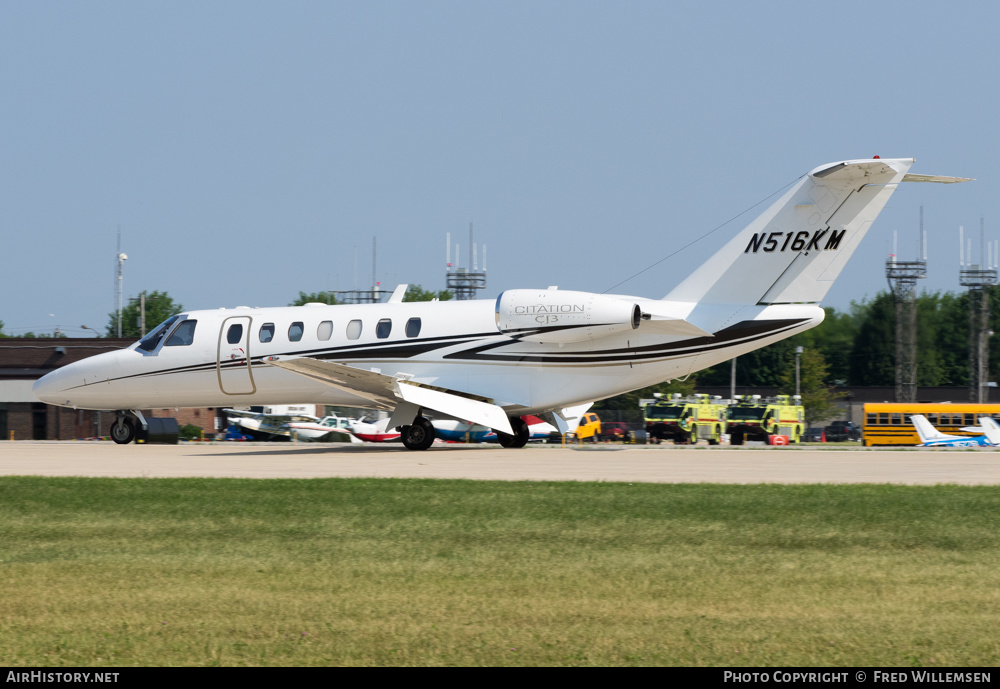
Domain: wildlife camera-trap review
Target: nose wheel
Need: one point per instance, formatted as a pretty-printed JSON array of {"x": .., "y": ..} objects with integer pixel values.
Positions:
[{"x": 122, "y": 431}]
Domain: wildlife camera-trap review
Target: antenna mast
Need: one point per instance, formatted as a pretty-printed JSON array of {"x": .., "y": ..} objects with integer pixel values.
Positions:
[
  {"x": 902, "y": 277},
  {"x": 978, "y": 277},
  {"x": 466, "y": 281}
]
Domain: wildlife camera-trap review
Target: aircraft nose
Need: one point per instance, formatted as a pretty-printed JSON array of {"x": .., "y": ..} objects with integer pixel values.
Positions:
[
  {"x": 51, "y": 388},
  {"x": 77, "y": 384}
]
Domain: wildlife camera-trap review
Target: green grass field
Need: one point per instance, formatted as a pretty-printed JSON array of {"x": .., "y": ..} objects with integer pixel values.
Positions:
[{"x": 422, "y": 572}]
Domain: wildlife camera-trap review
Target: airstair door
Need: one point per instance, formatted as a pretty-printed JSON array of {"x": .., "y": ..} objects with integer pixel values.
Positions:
[{"x": 233, "y": 359}]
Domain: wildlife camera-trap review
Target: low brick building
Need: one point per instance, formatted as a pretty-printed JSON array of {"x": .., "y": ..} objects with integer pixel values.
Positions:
[{"x": 22, "y": 417}]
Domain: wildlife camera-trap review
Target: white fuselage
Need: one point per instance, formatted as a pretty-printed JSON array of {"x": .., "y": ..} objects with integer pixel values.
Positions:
[{"x": 458, "y": 346}]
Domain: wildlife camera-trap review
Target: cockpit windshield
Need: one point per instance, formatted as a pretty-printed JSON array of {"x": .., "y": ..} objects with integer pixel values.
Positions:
[{"x": 152, "y": 339}]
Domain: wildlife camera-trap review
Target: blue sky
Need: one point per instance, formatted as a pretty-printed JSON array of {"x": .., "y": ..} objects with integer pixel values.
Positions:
[{"x": 249, "y": 150}]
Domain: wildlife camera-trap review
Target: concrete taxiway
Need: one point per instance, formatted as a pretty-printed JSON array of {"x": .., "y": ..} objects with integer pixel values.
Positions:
[{"x": 657, "y": 464}]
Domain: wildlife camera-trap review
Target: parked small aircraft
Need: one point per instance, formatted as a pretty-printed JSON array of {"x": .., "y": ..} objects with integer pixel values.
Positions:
[
  {"x": 932, "y": 437},
  {"x": 491, "y": 362}
]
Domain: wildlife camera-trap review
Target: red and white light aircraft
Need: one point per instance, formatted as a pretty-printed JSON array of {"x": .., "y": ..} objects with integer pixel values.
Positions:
[{"x": 489, "y": 362}]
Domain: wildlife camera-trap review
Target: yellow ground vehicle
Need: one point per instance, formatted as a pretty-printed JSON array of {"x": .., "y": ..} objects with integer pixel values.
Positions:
[
  {"x": 685, "y": 419},
  {"x": 753, "y": 417},
  {"x": 589, "y": 426},
  {"x": 889, "y": 423}
]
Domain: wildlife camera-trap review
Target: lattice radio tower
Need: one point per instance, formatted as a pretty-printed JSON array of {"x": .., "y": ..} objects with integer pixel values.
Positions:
[
  {"x": 465, "y": 282},
  {"x": 902, "y": 277},
  {"x": 977, "y": 277}
]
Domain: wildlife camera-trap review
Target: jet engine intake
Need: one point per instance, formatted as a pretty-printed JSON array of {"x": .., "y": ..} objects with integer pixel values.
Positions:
[{"x": 561, "y": 316}]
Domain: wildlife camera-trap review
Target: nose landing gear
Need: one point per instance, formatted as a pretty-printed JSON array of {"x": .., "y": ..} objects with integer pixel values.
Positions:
[{"x": 123, "y": 428}]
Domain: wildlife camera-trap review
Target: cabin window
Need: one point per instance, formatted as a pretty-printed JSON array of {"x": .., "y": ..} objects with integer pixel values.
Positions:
[
  {"x": 883, "y": 419},
  {"x": 897, "y": 419},
  {"x": 870, "y": 419},
  {"x": 970, "y": 419},
  {"x": 295, "y": 331},
  {"x": 235, "y": 333},
  {"x": 183, "y": 335},
  {"x": 354, "y": 330},
  {"x": 933, "y": 418},
  {"x": 413, "y": 327},
  {"x": 383, "y": 328},
  {"x": 267, "y": 332},
  {"x": 324, "y": 331}
]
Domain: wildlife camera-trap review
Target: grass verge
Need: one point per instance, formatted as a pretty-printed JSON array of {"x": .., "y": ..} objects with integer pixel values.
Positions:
[{"x": 423, "y": 572}]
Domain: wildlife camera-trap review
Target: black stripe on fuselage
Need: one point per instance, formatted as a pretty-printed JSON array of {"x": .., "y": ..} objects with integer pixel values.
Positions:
[{"x": 745, "y": 331}]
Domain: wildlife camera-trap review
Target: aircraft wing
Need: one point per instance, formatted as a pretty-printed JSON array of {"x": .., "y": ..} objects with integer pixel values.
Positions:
[
  {"x": 389, "y": 392},
  {"x": 240, "y": 413}
]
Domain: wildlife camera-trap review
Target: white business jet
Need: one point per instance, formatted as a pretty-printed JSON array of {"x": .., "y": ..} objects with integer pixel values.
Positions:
[
  {"x": 490, "y": 362},
  {"x": 932, "y": 437}
]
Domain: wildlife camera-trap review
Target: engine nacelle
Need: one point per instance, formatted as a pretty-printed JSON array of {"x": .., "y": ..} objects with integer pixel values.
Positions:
[{"x": 560, "y": 316}]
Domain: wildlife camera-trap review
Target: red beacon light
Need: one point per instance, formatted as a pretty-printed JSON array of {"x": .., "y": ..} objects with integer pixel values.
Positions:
[{"x": 877, "y": 158}]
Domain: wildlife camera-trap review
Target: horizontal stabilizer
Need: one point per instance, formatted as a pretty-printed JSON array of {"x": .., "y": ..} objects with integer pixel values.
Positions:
[
  {"x": 388, "y": 392},
  {"x": 936, "y": 178}
]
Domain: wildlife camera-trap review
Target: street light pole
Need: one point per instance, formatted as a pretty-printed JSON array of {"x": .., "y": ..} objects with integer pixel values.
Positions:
[{"x": 798, "y": 354}]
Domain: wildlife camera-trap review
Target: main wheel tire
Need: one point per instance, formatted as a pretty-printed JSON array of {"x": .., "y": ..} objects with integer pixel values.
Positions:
[
  {"x": 520, "y": 437},
  {"x": 736, "y": 439},
  {"x": 419, "y": 435},
  {"x": 122, "y": 431}
]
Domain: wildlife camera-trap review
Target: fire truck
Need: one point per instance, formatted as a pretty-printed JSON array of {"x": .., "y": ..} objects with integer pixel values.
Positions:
[
  {"x": 752, "y": 417},
  {"x": 685, "y": 419}
]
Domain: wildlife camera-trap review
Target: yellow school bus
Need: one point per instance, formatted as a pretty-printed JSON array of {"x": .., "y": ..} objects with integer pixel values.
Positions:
[{"x": 889, "y": 423}]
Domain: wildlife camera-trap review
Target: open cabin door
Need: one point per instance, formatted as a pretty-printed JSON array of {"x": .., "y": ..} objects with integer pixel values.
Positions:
[{"x": 233, "y": 357}]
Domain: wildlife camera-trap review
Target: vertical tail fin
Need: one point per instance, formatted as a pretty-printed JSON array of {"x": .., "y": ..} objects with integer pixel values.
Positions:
[
  {"x": 794, "y": 251},
  {"x": 991, "y": 428},
  {"x": 925, "y": 430}
]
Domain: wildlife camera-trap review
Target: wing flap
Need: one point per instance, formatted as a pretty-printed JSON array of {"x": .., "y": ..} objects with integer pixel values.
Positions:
[{"x": 389, "y": 392}]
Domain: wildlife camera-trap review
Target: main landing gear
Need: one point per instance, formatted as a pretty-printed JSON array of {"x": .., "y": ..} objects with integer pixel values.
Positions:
[
  {"x": 520, "y": 437},
  {"x": 419, "y": 435}
]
